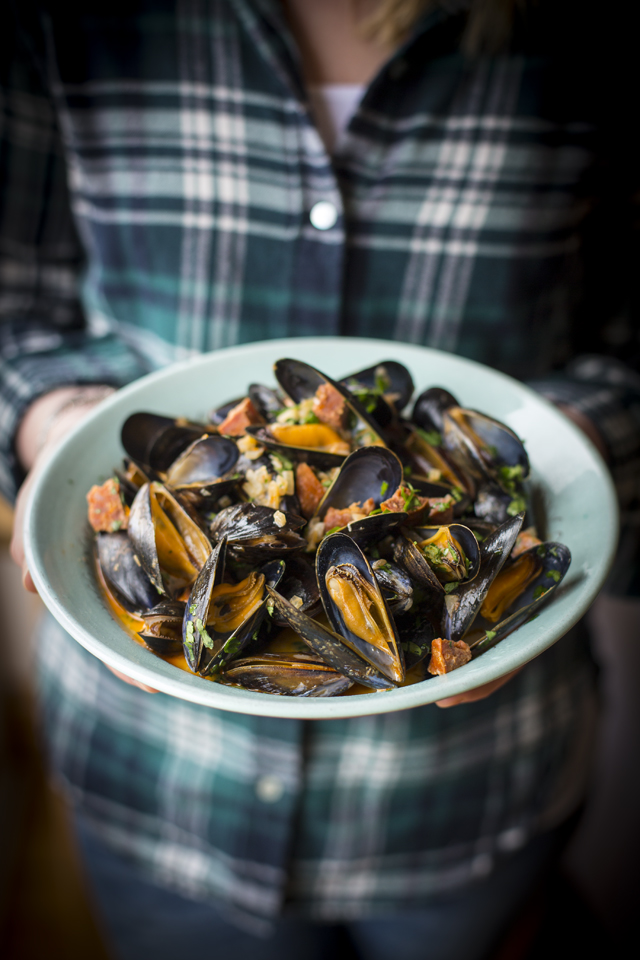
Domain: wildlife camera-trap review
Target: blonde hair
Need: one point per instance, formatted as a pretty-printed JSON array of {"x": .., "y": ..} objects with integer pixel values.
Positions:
[{"x": 488, "y": 30}]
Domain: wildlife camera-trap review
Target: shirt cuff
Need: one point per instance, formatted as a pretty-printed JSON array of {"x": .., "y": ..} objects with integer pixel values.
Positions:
[{"x": 77, "y": 359}]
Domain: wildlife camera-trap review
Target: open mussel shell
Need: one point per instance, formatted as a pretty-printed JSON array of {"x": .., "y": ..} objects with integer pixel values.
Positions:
[
  {"x": 429, "y": 408},
  {"x": 396, "y": 586},
  {"x": 452, "y": 551},
  {"x": 407, "y": 554},
  {"x": 300, "y": 381},
  {"x": 204, "y": 468},
  {"x": 254, "y": 535},
  {"x": 267, "y": 401},
  {"x": 483, "y": 445},
  {"x": 371, "y": 473},
  {"x": 154, "y": 442},
  {"x": 329, "y": 646},
  {"x": 384, "y": 390},
  {"x": 220, "y": 618},
  {"x": 463, "y": 604},
  {"x": 123, "y": 572},
  {"x": 170, "y": 546},
  {"x": 296, "y": 675},
  {"x": 431, "y": 462},
  {"x": 162, "y": 630},
  {"x": 551, "y": 561},
  {"x": 318, "y": 457},
  {"x": 355, "y": 606}
]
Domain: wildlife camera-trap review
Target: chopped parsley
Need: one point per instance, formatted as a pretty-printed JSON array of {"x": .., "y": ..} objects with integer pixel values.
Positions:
[
  {"x": 554, "y": 575},
  {"x": 450, "y": 587},
  {"x": 204, "y": 636},
  {"x": 333, "y": 530},
  {"x": 383, "y": 489},
  {"x": 539, "y": 592},
  {"x": 517, "y": 505},
  {"x": 432, "y": 437},
  {"x": 490, "y": 634}
]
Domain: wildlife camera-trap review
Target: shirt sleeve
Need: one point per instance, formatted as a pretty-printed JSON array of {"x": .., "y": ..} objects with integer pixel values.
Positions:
[{"x": 45, "y": 341}]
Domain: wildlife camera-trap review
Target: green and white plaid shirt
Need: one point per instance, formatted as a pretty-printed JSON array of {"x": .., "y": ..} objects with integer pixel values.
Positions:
[{"x": 159, "y": 165}]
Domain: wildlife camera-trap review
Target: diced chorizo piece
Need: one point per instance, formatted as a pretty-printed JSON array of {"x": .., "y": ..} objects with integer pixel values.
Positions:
[
  {"x": 405, "y": 499},
  {"x": 107, "y": 513},
  {"x": 448, "y": 655},
  {"x": 366, "y": 507},
  {"x": 239, "y": 418},
  {"x": 441, "y": 509},
  {"x": 525, "y": 540},
  {"x": 395, "y": 503},
  {"x": 309, "y": 489},
  {"x": 330, "y": 407},
  {"x": 336, "y": 518}
]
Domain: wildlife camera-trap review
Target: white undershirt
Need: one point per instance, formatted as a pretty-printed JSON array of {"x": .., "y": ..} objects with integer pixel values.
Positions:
[{"x": 333, "y": 105}]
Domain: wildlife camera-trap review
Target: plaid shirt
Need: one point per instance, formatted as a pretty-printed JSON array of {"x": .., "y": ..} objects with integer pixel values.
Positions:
[{"x": 159, "y": 168}]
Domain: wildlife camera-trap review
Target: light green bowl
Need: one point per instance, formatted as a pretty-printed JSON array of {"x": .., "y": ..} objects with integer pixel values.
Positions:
[{"x": 580, "y": 501}]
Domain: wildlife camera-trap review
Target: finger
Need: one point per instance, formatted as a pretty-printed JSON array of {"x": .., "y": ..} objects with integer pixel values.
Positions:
[
  {"x": 478, "y": 693},
  {"x": 27, "y": 582},
  {"x": 132, "y": 683}
]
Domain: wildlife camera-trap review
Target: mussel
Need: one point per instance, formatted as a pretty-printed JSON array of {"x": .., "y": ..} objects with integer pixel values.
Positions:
[
  {"x": 297, "y": 675},
  {"x": 221, "y": 617},
  {"x": 170, "y": 546},
  {"x": 355, "y": 606}
]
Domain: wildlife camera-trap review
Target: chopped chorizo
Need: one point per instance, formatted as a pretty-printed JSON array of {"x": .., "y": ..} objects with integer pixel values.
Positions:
[
  {"x": 330, "y": 407},
  {"x": 448, "y": 655},
  {"x": 309, "y": 489},
  {"x": 406, "y": 500},
  {"x": 525, "y": 541},
  {"x": 107, "y": 512},
  {"x": 239, "y": 418},
  {"x": 340, "y": 518}
]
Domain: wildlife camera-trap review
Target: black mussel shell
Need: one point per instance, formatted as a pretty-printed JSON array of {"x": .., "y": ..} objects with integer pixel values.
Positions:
[
  {"x": 410, "y": 558},
  {"x": 428, "y": 460},
  {"x": 554, "y": 559},
  {"x": 384, "y": 390},
  {"x": 483, "y": 446},
  {"x": 123, "y": 572},
  {"x": 416, "y": 632},
  {"x": 300, "y": 380},
  {"x": 341, "y": 555},
  {"x": 315, "y": 457},
  {"x": 267, "y": 401},
  {"x": 429, "y": 408},
  {"x": 207, "y": 458},
  {"x": 396, "y": 585},
  {"x": 463, "y": 604},
  {"x": 206, "y": 649},
  {"x": 467, "y": 540},
  {"x": 254, "y": 534},
  {"x": 162, "y": 631},
  {"x": 175, "y": 567},
  {"x": 300, "y": 587},
  {"x": 370, "y": 473},
  {"x": 154, "y": 442},
  {"x": 329, "y": 646},
  {"x": 297, "y": 675}
]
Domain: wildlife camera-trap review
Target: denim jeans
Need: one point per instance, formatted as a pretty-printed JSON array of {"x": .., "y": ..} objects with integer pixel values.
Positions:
[{"x": 143, "y": 920}]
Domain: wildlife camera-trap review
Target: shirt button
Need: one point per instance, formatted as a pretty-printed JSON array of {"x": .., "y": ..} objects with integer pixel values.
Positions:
[
  {"x": 269, "y": 789},
  {"x": 323, "y": 215}
]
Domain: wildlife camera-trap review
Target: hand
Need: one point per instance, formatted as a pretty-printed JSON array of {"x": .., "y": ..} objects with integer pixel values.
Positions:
[{"x": 478, "y": 693}]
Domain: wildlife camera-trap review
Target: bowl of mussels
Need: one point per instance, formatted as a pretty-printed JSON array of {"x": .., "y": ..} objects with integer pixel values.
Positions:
[{"x": 321, "y": 528}]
